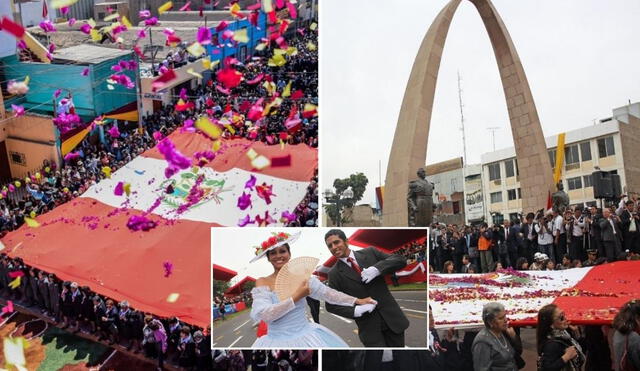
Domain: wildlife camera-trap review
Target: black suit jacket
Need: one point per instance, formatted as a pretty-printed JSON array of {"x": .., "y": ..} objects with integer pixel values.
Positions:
[
  {"x": 607, "y": 231},
  {"x": 512, "y": 239},
  {"x": 345, "y": 279}
]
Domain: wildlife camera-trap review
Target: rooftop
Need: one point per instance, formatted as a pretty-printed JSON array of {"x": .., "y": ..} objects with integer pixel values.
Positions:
[{"x": 89, "y": 54}]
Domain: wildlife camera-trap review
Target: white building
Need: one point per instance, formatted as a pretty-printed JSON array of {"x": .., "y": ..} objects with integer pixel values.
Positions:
[{"x": 586, "y": 149}]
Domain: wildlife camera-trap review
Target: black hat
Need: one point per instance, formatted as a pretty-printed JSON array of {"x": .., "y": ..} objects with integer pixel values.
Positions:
[{"x": 592, "y": 251}]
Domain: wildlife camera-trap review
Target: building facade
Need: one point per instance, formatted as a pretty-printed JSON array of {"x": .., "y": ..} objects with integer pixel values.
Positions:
[{"x": 611, "y": 145}]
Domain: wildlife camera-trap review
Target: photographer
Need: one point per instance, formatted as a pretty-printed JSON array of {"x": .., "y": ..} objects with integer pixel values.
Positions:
[
  {"x": 576, "y": 229},
  {"x": 592, "y": 220},
  {"x": 559, "y": 237},
  {"x": 543, "y": 229}
]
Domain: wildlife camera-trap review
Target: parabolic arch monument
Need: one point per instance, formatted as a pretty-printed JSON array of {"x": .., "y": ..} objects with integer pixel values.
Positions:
[{"x": 409, "y": 149}]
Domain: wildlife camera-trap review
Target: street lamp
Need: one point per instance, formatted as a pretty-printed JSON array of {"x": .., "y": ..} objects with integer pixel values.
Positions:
[{"x": 338, "y": 199}]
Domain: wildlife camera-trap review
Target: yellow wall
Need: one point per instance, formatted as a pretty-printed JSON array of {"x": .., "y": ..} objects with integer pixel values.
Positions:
[{"x": 33, "y": 137}]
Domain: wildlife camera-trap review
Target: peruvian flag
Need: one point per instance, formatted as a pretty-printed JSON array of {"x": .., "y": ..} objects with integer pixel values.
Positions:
[
  {"x": 588, "y": 296},
  {"x": 87, "y": 240}
]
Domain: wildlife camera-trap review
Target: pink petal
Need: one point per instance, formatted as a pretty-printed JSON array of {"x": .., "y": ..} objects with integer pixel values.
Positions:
[
  {"x": 119, "y": 190},
  {"x": 85, "y": 72},
  {"x": 204, "y": 35}
]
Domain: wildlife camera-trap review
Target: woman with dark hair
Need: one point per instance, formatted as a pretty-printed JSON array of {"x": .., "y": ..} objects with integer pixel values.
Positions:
[
  {"x": 557, "y": 350},
  {"x": 448, "y": 267},
  {"x": 522, "y": 264},
  {"x": 626, "y": 339}
]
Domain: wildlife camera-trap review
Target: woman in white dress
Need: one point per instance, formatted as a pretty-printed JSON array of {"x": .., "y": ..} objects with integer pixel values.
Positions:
[{"x": 288, "y": 326}]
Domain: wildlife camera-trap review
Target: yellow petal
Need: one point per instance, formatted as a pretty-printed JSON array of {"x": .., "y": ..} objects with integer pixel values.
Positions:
[
  {"x": 125, "y": 21},
  {"x": 15, "y": 283},
  {"x": 206, "y": 63},
  {"x": 31, "y": 222},
  {"x": 261, "y": 46},
  {"x": 111, "y": 17},
  {"x": 91, "y": 23},
  {"x": 311, "y": 46},
  {"x": 173, "y": 297},
  {"x": 287, "y": 90},
  {"x": 241, "y": 36},
  {"x": 216, "y": 145},
  {"x": 196, "y": 49},
  {"x": 57, "y": 4},
  {"x": 165, "y": 7},
  {"x": 313, "y": 26},
  {"x": 191, "y": 72},
  {"x": 206, "y": 126},
  {"x": 95, "y": 35},
  {"x": 127, "y": 188},
  {"x": 252, "y": 154}
]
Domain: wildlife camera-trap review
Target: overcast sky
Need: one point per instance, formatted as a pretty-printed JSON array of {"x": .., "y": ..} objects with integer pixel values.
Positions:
[
  {"x": 581, "y": 59},
  {"x": 233, "y": 248}
]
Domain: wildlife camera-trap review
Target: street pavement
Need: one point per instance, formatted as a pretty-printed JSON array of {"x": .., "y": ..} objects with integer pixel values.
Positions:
[{"x": 239, "y": 332}]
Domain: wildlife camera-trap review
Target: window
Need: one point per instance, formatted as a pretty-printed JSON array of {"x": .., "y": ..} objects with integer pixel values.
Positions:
[
  {"x": 497, "y": 218},
  {"x": 605, "y": 147},
  {"x": 574, "y": 183},
  {"x": 456, "y": 207},
  {"x": 571, "y": 155},
  {"x": 494, "y": 171},
  {"x": 454, "y": 185},
  {"x": 585, "y": 149},
  {"x": 496, "y": 197},
  {"x": 587, "y": 181},
  {"x": 18, "y": 158},
  {"x": 511, "y": 194},
  {"x": 519, "y": 194},
  {"x": 552, "y": 158},
  {"x": 517, "y": 170},
  {"x": 509, "y": 168}
]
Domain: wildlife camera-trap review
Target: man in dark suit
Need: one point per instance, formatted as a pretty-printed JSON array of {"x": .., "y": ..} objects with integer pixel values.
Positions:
[
  {"x": 361, "y": 274},
  {"x": 529, "y": 237},
  {"x": 611, "y": 234},
  {"x": 630, "y": 225},
  {"x": 512, "y": 241}
]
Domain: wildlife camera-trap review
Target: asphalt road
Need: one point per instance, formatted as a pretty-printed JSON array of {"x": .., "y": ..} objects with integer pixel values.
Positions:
[{"x": 239, "y": 331}]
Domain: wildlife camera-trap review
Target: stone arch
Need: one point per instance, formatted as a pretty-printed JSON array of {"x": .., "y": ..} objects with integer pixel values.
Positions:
[{"x": 409, "y": 148}]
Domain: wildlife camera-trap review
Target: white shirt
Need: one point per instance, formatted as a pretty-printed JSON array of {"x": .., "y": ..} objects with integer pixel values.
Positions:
[
  {"x": 352, "y": 256},
  {"x": 544, "y": 238},
  {"x": 578, "y": 227},
  {"x": 387, "y": 355},
  {"x": 558, "y": 225}
]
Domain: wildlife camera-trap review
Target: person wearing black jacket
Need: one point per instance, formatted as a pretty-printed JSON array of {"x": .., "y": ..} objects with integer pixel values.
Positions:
[
  {"x": 100, "y": 312},
  {"x": 558, "y": 351},
  {"x": 186, "y": 348},
  {"x": 54, "y": 297},
  {"x": 203, "y": 352},
  {"x": 43, "y": 290}
]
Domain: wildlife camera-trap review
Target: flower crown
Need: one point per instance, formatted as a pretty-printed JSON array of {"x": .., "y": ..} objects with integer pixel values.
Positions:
[{"x": 271, "y": 241}]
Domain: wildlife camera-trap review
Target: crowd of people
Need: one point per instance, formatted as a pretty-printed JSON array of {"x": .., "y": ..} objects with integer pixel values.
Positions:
[
  {"x": 413, "y": 251},
  {"x": 577, "y": 237},
  {"x": 559, "y": 345},
  {"x": 80, "y": 309},
  {"x": 265, "y": 360}
]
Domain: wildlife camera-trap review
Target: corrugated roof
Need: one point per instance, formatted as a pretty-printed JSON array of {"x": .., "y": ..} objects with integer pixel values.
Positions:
[{"x": 88, "y": 54}]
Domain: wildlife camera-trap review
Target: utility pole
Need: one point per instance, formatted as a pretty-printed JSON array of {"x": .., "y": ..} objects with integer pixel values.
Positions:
[
  {"x": 493, "y": 135},
  {"x": 464, "y": 141}
]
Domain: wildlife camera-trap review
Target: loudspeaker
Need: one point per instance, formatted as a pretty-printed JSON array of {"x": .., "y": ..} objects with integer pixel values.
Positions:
[
  {"x": 616, "y": 187},
  {"x": 601, "y": 185}
]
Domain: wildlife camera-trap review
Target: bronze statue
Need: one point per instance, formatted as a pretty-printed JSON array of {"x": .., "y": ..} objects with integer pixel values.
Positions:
[
  {"x": 420, "y": 201},
  {"x": 560, "y": 199}
]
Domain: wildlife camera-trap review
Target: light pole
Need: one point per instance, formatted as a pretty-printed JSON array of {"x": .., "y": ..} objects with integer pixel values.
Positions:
[{"x": 338, "y": 199}]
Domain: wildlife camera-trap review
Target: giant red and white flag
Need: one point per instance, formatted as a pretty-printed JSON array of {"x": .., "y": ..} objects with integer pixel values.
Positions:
[
  {"x": 590, "y": 295},
  {"x": 87, "y": 240}
]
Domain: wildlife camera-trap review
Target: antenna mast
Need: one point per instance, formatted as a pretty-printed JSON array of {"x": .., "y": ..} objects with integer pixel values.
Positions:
[{"x": 464, "y": 140}]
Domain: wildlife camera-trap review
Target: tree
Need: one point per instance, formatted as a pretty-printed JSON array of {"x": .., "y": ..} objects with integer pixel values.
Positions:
[
  {"x": 219, "y": 287},
  {"x": 358, "y": 183}
]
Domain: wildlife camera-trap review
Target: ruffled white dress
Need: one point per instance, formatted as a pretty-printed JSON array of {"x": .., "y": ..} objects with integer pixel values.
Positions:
[{"x": 288, "y": 324}]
